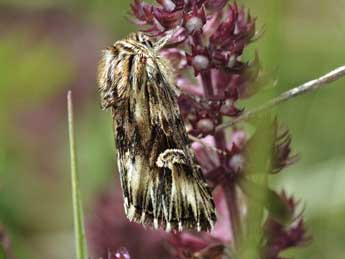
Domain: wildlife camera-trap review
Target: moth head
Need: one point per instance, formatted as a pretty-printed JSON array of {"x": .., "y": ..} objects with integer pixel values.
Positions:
[
  {"x": 151, "y": 42},
  {"x": 144, "y": 39}
]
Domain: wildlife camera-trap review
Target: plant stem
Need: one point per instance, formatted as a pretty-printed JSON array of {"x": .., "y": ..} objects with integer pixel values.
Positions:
[
  {"x": 207, "y": 84},
  {"x": 81, "y": 246},
  {"x": 229, "y": 188},
  {"x": 301, "y": 89},
  {"x": 231, "y": 198}
]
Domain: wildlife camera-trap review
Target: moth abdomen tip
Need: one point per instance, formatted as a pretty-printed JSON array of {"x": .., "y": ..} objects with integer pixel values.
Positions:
[
  {"x": 168, "y": 227},
  {"x": 155, "y": 223},
  {"x": 143, "y": 216},
  {"x": 180, "y": 226}
]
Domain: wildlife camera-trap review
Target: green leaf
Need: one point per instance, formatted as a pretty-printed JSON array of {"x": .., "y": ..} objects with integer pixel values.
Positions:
[{"x": 79, "y": 231}]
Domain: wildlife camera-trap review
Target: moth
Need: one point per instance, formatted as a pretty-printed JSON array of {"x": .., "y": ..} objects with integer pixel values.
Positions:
[{"x": 162, "y": 184}]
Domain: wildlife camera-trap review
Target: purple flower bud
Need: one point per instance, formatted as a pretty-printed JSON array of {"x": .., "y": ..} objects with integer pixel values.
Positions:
[
  {"x": 195, "y": 20},
  {"x": 237, "y": 162},
  {"x": 168, "y": 5},
  {"x": 200, "y": 62},
  {"x": 193, "y": 24},
  {"x": 199, "y": 59},
  {"x": 205, "y": 125},
  {"x": 239, "y": 138},
  {"x": 122, "y": 253},
  {"x": 168, "y": 20}
]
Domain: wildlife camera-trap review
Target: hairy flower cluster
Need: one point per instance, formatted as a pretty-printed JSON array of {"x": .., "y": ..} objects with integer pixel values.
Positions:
[
  {"x": 206, "y": 51},
  {"x": 279, "y": 237},
  {"x": 209, "y": 41}
]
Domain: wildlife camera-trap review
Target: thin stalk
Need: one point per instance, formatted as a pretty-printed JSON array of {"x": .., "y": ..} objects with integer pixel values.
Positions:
[
  {"x": 79, "y": 231},
  {"x": 301, "y": 89}
]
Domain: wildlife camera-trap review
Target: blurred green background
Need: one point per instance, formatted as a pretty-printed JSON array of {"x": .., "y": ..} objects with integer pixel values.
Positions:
[{"x": 48, "y": 47}]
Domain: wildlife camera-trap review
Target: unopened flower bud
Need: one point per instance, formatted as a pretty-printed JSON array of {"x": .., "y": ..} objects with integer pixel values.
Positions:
[
  {"x": 122, "y": 253},
  {"x": 194, "y": 24},
  {"x": 200, "y": 62},
  {"x": 168, "y": 5},
  {"x": 239, "y": 138},
  {"x": 237, "y": 162},
  {"x": 205, "y": 125},
  {"x": 228, "y": 104},
  {"x": 194, "y": 20}
]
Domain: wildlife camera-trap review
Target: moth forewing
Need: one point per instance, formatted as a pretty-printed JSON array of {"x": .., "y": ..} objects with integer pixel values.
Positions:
[{"x": 161, "y": 182}]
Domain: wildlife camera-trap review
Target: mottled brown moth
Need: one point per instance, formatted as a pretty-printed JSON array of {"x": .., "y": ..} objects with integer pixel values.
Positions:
[{"x": 162, "y": 184}]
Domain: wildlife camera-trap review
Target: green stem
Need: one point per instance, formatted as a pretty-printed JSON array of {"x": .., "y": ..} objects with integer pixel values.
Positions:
[
  {"x": 81, "y": 246},
  {"x": 3, "y": 253}
]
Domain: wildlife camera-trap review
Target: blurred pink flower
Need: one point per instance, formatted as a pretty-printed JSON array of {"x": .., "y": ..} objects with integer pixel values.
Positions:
[
  {"x": 108, "y": 229},
  {"x": 121, "y": 253}
]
